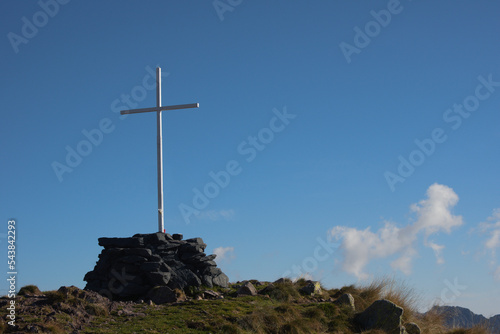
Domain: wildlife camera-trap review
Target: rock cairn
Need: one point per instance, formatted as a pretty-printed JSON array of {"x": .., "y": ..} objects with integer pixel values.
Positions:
[{"x": 134, "y": 268}]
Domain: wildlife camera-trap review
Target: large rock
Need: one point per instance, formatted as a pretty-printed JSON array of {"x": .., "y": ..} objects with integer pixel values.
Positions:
[
  {"x": 129, "y": 268},
  {"x": 247, "y": 289},
  {"x": 268, "y": 289},
  {"x": 382, "y": 314},
  {"x": 346, "y": 299},
  {"x": 153, "y": 238},
  {"x": 184, "y": 277},
  {"x": 158, "y": 278},
  {"x": 162, "y": 295},
  {"x": 121, "y": 242},
  {"x": 412, "y": 328},
  {"x": 221, "y": 280},
  {"x": 311, "y": 288},
  {"x": 209, "y": 294}
]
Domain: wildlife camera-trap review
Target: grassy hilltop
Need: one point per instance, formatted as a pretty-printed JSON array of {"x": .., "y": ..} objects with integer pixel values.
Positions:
[{"x": 280, "y": 307}]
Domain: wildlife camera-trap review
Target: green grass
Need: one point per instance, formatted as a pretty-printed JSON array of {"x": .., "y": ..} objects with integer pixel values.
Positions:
[
  {"x": 29, "y": 290},
  {"x": 279, "y": 310},
  {"x": 258, "y": 314},
  {"x": 189, "y": 317}
]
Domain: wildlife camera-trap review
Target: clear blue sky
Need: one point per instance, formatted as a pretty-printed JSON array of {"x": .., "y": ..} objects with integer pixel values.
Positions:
[{"x": 322, "y": 110}]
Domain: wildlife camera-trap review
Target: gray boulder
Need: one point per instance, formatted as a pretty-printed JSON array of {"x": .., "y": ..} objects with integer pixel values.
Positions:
[
  {"x": 208, "y": 257},
  {"x": 221, "y": 280},
  {"x": 346, "y": 299},
  {"x": 247, "y": 289},
  {"x": 311, "y": 288},
  {"x": 183, "y": 277},
  {"x": 382, "y": 314},
  {"x": 210, "y": 294},
  {"x": 268, "y": 289},
  {"x": 412, "y": 328},
  {"x": 162, "y": 295},
  {"x": 153, "y": 238}
]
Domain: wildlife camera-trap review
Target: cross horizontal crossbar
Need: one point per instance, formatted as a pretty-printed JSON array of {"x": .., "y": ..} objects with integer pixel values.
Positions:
[{"x": 179, "y": 106}]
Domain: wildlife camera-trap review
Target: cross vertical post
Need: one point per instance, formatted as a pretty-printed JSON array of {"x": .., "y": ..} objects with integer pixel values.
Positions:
[
  {"x": 159, "y": 153},
  {"x": 159, "y": 142}
]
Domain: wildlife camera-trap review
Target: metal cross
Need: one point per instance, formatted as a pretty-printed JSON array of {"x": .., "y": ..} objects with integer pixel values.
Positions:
[{"x": 158, "y": 109}]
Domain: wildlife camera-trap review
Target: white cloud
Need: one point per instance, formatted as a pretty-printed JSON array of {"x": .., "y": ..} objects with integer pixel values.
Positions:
[
  {"x": 437, "y": 251},
  {"x": 362, "y": 246},
  {"x": 492, "y": 227},
  {"x": 434, "y": 212},
  {"x": 496, "y": 274},
  {"x": 494, "y": 241},
  {"x": 403, "y": 263},
  {"x": 433, "y": 215},
  {"x": 224, "y": 253}
]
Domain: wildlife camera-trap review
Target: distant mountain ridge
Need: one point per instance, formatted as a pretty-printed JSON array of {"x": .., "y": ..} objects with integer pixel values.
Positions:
[{"x": 460, "y": 317}]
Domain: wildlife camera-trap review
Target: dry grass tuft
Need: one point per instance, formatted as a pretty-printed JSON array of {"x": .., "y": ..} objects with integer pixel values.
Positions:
[
  {"x": 432, "y": 322},
  {"x": 29, "y": 290},
  {"x": 474, "y": 330},
  {"x": 402, "y": 295}
]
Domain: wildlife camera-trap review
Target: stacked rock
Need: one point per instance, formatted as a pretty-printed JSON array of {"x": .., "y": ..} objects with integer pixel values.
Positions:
[{"x": 130, "y": 268}]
